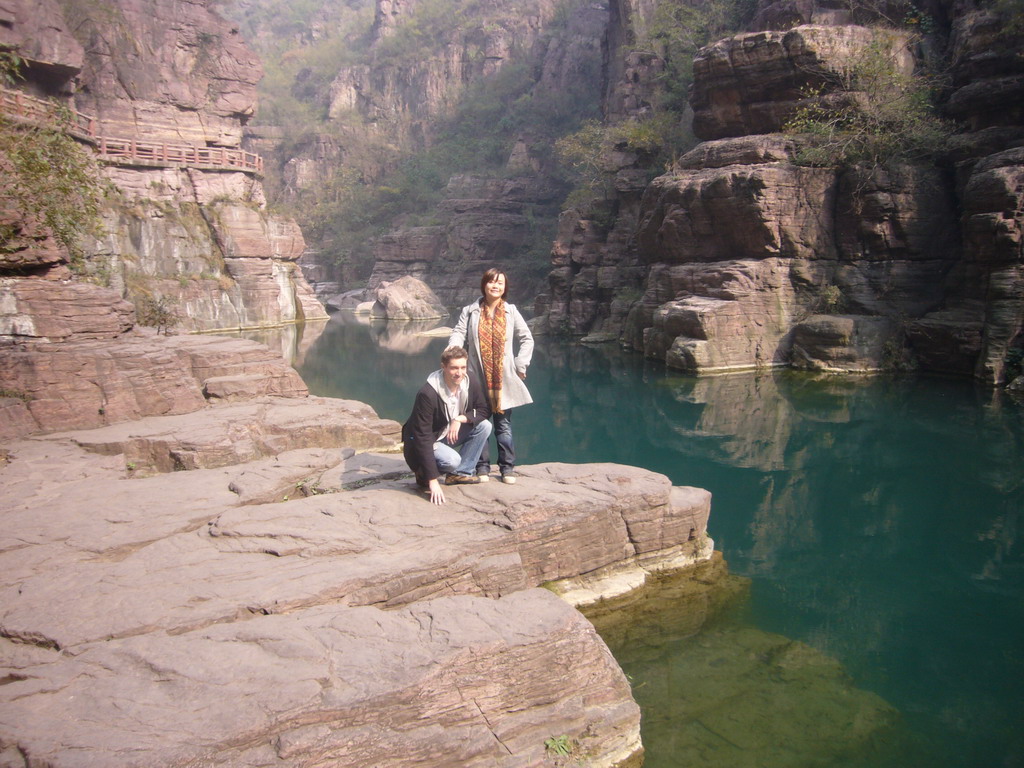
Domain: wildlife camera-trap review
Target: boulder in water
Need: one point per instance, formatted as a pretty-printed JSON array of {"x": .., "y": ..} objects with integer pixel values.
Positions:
[{"x": 407, "y": 299}]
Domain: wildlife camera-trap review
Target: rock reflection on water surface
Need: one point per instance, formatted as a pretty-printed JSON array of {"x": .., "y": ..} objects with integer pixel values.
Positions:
[
  {"x": 716, "y": 693},
  {"x": 407, "y": 337},
  {"x": 293, "y": 340}
]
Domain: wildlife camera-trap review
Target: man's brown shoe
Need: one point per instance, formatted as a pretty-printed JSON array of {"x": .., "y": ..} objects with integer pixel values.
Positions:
[{"x": 454, "y": 479}]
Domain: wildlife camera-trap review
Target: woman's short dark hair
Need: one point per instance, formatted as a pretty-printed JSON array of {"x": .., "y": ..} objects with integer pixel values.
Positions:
[
  {"x": 489, "y": 276},
  {"x": 453, "y": 353}
]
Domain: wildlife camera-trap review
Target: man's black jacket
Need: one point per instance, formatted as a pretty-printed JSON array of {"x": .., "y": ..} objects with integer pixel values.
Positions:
[{"x": 428, "y": 419}]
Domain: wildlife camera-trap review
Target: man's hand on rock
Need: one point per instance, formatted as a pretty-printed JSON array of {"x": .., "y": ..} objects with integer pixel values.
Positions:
[{"x": 436, "y": 491}]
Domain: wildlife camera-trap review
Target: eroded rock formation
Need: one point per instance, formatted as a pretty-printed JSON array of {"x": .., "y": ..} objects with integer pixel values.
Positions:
[
  {"x": 741, "y": 257},
  {"x": 308, "y": 546},
  {"x": 192, "y": 237},
  {"x": 487, "y": 224},
  {"x": 501, "y": 208},
  {"x": 406, "y": 299},
  {"x": 210, "y": 566}
]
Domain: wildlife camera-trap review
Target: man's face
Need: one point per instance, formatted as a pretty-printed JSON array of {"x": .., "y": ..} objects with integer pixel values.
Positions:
[{"x": 454, "y": 372}]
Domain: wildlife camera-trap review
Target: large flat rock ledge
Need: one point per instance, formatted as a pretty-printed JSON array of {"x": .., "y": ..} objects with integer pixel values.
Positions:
[{"x": 311, "y": 607}]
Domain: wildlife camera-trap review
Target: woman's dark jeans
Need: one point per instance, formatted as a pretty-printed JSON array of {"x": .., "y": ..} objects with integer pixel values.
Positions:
[{"x": 506, "y": 446}]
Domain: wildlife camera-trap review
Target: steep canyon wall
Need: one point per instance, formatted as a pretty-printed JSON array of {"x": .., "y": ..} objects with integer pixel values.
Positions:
[
  {"x": 744, "y": 257},
  {"x": 157, "y": 80},
  {"x": 158, "y": 93}
]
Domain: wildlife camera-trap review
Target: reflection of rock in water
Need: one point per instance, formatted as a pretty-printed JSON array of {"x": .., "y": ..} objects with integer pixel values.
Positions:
[
  {"x": 753, "y": 420},
  {"x": 669, "y": 607},
  {"x": 739, "y": 697},
  {"x": 293, "y": 340},
  {"x": 734, "y": 696},
  {"x": 742, "y": 418},
  {"x": 407, "y": 337}
]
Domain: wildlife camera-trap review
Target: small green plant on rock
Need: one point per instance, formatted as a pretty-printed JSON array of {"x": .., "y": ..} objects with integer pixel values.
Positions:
[
  {"x": 831, "y": 299},
  {"x": 561, "y": 746},
  {"x": 15, "y": 393}
]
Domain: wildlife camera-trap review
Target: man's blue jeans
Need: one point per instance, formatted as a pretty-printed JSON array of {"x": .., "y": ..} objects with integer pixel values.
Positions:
[{"x": 461, "y": 457}]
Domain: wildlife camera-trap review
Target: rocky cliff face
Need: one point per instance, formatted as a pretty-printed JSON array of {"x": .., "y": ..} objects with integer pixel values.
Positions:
[
  {"x": 596, "y": 270},
  {"x": 748, "y": 259},
  {"x": 164, "y": 89},
  {"x": 162, "y": 71},
  {"x": 487, "y": 222}
]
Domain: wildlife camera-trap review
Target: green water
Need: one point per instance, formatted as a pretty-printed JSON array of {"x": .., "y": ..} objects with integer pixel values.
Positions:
[{"x": 877, "y": 520}]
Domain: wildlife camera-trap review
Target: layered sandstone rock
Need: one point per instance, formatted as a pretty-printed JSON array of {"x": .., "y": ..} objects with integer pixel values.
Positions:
[
  {"x": 205, "y": 243},
  {"x": 197, "y": 242},
  {"x": 174, "y": 73},
  {"x": 82, "y": 382},
  {"x": 38, "y": 31},
  {"x": 988, "y": 74},
  {"x": 488, "y": 222},
  {"x": 744, "y": 258},
  {"x": 848, "y": 343},
  {"x": 58, "y": 310},
  {"x": 801, "y": 240},
  {"x": 376, "y": 544},
  {"x": 308, "y": 546},
  {"x": 456, "y": 680},
  {"x": 993, "y": 227},
  {"x": 753, "y": 83}
]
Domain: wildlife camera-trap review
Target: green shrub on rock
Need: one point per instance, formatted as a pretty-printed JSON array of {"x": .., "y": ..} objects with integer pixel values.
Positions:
[{"x": 873, "y": 113}]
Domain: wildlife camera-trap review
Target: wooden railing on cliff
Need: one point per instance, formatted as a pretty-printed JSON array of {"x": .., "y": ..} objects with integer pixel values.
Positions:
[{"x": 20, "y": 106}]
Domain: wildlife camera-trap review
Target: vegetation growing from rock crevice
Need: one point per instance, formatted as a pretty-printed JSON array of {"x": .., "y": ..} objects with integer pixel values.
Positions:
[
  {"x": 156, "y": 311},
  {"x": 654, "y": 140},
  {"x": 873, "y": 113},
  {"x": 1011, "y": 16},
  {"x": 675, "y": 31},
  {"x": 46, "y": 177},
  {"x": 678, "y": 29}
]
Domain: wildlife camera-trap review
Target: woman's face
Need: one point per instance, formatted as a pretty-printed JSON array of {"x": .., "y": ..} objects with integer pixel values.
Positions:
[{"x": 495, "y": 288}]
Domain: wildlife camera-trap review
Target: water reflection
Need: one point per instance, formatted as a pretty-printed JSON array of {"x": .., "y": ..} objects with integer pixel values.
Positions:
[
  {"x": 407, "y": 337},
  {"x": 717, "y": 692},
  {"x": 293, "y": 340},
  {"x": 877, "y": 519}
]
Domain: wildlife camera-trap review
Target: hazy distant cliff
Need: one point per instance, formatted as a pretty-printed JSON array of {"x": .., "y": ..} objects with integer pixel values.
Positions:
[{"x": 427, "y": 148}]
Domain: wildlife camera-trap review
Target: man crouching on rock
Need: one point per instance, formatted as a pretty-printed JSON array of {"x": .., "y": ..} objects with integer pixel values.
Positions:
[{"x": 448, "y": 427}]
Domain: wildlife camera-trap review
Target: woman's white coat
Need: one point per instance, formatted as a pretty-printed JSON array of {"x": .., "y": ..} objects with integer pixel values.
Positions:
[{"x": 466, "y": 333}]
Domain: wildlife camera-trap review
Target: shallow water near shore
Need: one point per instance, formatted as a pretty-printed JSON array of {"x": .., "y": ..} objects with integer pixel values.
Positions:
[{"x": 877, "y": 520}]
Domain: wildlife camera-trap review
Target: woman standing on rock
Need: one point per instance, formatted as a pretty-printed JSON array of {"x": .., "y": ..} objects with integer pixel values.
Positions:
[{"x": 487, "y": 329}]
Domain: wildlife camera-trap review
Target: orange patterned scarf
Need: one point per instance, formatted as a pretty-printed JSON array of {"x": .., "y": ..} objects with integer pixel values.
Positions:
[{"x": 492, "y": 351}]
